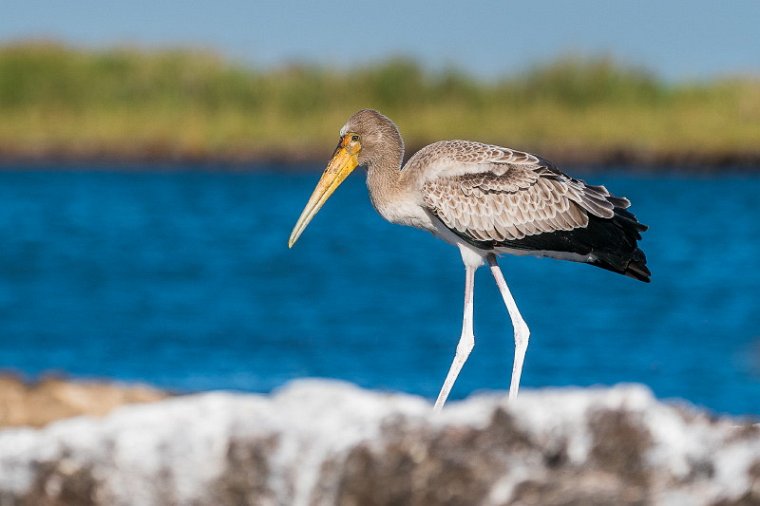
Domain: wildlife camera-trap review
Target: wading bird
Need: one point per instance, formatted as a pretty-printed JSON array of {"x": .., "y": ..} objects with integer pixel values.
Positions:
[{"x": 486, "y": 200}]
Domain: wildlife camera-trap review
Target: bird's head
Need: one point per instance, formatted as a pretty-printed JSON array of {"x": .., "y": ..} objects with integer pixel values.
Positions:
[{"x": 361, "y": 143}]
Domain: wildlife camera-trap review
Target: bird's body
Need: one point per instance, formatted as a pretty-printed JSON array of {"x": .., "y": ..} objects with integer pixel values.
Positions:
[
  {"x": 497, "y": 200},
  {"x": 487, "y": 200}
]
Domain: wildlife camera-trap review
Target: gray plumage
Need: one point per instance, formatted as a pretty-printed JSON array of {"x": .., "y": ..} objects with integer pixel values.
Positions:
[
  {"x": 492, "y": 193},
  {"x": 497, "y": 200}
]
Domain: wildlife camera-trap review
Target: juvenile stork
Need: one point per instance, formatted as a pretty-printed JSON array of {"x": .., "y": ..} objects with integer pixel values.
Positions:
[{"x": 486, "y": 200}]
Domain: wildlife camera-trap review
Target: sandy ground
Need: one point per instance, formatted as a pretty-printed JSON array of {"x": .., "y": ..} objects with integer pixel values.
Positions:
[{"x": 49, "y": 399}]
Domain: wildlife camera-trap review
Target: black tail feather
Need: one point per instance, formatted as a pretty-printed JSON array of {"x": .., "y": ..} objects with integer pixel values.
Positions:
[
  {"x": 619, "y": 252},
  {"x": 608, "y": 243},
  {"x": 633, "y": 265}
]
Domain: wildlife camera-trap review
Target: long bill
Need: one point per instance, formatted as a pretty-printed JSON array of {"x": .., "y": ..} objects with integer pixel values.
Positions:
[{"x": 340, "y": 166}]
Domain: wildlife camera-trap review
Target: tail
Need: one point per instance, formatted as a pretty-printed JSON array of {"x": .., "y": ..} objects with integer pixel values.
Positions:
[{"x": 614, "y": 245}]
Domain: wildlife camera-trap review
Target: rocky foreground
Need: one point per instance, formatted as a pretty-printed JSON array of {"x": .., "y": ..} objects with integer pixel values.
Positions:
[{"x": 325, "y": 443}]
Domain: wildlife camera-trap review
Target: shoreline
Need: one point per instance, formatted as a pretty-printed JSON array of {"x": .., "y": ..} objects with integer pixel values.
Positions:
[
  {"x": 49, "y": 398},
  {"x": 577, "y": 160},
  {"x": 130, "y": 107}
]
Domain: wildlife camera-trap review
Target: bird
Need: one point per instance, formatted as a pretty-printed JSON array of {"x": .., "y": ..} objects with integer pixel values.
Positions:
[{"x": 486, "y": 200}]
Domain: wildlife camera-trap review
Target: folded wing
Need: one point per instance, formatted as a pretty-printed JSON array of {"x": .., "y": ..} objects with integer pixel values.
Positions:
[{"x": 495, "y": 197}]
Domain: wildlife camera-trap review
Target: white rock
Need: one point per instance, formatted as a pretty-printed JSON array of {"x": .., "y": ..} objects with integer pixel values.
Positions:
[{"x": 324, "y": 442}]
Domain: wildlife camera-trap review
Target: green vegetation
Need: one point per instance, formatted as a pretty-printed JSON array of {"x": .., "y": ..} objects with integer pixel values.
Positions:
[{"x": 131, "y": 103}]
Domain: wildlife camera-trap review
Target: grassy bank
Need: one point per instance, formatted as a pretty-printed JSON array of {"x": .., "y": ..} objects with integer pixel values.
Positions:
[{"x": 57, "y": 101}]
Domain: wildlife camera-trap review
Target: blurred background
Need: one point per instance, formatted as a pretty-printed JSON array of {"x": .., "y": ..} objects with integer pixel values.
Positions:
[{"x": 155, "y": 156}]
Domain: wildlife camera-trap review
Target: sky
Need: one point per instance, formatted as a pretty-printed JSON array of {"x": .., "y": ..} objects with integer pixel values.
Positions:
[{"x": 677, "y": 39}]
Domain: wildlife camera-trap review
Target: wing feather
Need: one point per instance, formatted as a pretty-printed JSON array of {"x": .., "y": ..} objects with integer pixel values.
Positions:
[{"x": 491, "y": 193}]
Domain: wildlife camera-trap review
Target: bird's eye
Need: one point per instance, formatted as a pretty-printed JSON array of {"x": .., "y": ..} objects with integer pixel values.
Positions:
[{"x": 354, "y": 138}]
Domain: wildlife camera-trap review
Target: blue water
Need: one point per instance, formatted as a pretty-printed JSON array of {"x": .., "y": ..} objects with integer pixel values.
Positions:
[{"x": 184, "y": 280}]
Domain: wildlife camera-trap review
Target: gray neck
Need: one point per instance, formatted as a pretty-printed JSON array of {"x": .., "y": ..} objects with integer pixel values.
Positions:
[{"x": 384, "y": 175}]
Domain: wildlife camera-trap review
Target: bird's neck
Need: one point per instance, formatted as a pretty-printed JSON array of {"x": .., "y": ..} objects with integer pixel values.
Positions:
[{"x": 384, "y": 177}]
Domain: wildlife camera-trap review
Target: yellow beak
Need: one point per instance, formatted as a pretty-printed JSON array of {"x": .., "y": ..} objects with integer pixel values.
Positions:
[{"x": 340, "y": 166}]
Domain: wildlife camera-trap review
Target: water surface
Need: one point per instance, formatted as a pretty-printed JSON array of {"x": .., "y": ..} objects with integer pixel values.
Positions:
[{"x": 184, "y": 280}]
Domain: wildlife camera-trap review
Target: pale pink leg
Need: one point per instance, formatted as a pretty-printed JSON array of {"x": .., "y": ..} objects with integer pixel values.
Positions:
[
  {"x": 466, "y": 341},
  {"x": 522, "y": 333}
]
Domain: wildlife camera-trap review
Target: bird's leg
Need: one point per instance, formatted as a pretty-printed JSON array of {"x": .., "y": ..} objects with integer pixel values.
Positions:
[
  {"x": 466, "y": 341},
  {"x": 522, "y": 333}
]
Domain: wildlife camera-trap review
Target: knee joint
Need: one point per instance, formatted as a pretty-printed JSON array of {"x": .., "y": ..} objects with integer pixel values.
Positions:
[
  {"x": 522, "y": 333},
  {"x": 466, "y": 344}
]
